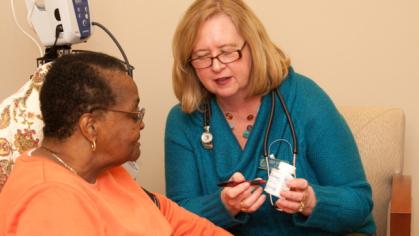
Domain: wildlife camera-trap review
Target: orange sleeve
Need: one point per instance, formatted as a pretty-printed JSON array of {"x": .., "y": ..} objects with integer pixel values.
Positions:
[
  {"x": 55, "y": 211},
  {"x": 184, "y": 222}
]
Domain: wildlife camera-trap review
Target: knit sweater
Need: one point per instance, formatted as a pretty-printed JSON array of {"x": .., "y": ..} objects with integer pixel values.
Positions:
[{"x": 328, "y": 159}]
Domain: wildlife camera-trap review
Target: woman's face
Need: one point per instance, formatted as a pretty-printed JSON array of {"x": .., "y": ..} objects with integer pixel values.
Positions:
[
  {"x": 215, "y": 36},
  {"x": 120, "y": 128}
]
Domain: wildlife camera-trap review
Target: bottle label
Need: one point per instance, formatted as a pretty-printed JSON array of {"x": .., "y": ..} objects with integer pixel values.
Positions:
[{"x": 278, "y": 179}]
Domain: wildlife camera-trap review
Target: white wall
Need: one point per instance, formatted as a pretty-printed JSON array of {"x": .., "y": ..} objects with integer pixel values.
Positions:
[{"x": 360, "y": 52}]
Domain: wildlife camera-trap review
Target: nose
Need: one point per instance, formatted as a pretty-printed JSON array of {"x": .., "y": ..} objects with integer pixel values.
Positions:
[
  {"x": 142, "y": 125},
  {"x": 217, "y": 65}
]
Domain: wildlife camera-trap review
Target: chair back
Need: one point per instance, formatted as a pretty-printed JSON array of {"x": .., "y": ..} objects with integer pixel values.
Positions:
[
  {"x": 379, "y": 134},
  {"x": 20, "y": 122}
]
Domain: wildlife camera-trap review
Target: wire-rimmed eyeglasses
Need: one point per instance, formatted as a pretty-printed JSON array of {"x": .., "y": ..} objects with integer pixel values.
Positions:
[
  {"x": 137, "y": 116},
  {"x": 223, "y": 57}
]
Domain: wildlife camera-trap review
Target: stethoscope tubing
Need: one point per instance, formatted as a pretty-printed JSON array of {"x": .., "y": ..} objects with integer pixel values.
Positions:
[
  {"x": 208, "y": 144},
  {"x": 207, "y": 116}
]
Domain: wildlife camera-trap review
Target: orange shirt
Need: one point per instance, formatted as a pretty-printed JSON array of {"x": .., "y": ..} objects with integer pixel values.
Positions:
[{"x": 43, "y": 198}]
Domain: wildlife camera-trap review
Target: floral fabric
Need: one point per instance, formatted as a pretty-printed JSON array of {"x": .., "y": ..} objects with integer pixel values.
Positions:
[{"x": 20, "y": 122}]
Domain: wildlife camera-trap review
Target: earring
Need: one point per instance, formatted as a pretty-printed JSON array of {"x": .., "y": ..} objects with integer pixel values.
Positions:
[{"x": 93, "y": 145}]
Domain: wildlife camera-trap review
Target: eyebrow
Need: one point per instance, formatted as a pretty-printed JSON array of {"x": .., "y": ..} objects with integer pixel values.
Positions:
[{"x": 136, "y": 103}]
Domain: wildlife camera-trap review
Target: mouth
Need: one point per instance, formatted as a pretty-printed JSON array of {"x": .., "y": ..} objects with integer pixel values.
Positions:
[{"x": 223, "y": 80}]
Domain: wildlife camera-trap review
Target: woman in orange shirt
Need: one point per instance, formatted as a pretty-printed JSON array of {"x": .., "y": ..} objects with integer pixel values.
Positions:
[{"x": 73, "y": 183}]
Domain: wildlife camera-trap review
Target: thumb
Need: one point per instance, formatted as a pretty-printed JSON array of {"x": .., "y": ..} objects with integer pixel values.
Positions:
[{"x": 237, "y": 177}]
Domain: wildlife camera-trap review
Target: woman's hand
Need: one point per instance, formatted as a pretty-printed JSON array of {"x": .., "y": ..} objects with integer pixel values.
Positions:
[
  {"x": 300, "y": 198},
  {"x": 242, "y": 197}
]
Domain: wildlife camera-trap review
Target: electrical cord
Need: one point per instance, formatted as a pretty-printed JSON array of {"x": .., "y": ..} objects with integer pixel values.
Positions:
[
  {"x": 130, "y": 68},
  {"x": 12, "y": 5}
]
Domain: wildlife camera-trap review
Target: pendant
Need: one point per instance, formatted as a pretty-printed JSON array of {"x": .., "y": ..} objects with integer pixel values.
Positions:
[
  {"x": 246, "y": 134},
  {"x": 206, "y": 139}
]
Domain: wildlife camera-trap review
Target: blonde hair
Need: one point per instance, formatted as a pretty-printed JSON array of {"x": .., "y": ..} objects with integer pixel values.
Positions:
[{"x": 269, "y": 63}]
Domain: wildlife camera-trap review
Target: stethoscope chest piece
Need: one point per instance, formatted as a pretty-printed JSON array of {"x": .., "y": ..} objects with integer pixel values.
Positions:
[{"x": 206, "y": 138}]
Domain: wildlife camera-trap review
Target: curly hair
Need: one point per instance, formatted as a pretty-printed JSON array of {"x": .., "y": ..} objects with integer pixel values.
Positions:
[{"x": 75, "y": 85}]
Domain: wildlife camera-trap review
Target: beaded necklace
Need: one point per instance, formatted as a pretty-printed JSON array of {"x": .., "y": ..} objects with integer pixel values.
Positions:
[
  {"x": 54, "y": 154},
  {"x": 249, "y": 127}
]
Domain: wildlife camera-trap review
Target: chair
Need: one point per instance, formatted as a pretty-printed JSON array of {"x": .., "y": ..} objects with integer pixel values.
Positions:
[
  {"x": 379, "y": 134},
  {"x": 20, "y": 122}
]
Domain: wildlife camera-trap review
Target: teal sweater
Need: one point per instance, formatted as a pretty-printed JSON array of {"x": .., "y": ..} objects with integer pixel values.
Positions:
[{"x": 328, "y": 159}]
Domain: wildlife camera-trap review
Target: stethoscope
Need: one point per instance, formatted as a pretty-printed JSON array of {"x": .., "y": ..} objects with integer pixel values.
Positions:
[{"x": 207, "y": 137}]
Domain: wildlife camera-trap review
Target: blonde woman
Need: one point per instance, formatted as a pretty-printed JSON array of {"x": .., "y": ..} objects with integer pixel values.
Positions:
[{"x": 242, "y": 111}]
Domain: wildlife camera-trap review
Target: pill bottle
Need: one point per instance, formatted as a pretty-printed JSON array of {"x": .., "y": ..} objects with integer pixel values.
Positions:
[{"x": 278, "y": 179}]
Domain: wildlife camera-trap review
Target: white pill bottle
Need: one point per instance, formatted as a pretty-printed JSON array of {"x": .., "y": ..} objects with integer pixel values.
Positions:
[{"x": 279, "y": 177}]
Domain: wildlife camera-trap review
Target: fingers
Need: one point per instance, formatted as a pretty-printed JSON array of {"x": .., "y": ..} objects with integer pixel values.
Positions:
[
  {"x": 234, "y": 192},
  {"x": 237, "y": 177},
  {"x": 232, "y": 196},
  {"x": 242, "y": 197},
  {"x": 290, "y": 207},
  {"x": 298, "y": 184},
  {"x": 253, "y": 201},
  {"x": 300, "y": 198},
  {"x": 294, "y": 195}
]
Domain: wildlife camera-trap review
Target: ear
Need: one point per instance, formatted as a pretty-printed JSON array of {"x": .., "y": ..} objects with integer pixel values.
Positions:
[{"x": 87, "y": 126}]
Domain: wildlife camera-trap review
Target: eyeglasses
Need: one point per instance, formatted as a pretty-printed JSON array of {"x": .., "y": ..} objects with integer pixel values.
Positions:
[
  {"x": 224, "y": 57},
  {"x": 137, "y": 116}
]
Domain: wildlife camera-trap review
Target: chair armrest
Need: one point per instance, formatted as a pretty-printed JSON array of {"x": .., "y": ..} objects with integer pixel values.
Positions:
[{"x": 401, "y": 205}]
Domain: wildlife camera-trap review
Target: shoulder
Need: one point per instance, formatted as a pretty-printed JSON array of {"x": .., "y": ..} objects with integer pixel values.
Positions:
[
  {"x": 300, "y": 84},
  {"x": 33, "y": 175},
  {"x": 176, "y": 114},
  {"x": 40, "y": 196},
  {"x": 49, "y": 205},
  {"x": 176, "y": 109},
  {"x": 305, "y": 92},
  {"x": 308, "y": 101},
  {"x": 180, "y": 119}
]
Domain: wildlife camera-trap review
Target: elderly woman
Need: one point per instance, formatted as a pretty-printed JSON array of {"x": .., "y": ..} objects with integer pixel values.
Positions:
[
  {"x": 242, "y": 113},
  {"x": 73, "y": 183}
]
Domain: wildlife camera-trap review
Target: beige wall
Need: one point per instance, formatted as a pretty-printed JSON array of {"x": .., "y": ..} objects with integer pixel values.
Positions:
[{"x": 360, "y": 52}]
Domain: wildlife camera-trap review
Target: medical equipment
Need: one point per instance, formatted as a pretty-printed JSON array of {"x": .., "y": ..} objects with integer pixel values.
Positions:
[
  {"x": 207, "y": 137},
  {"x": 62, "y": 23},
  {"x": 59, "y": 22}
]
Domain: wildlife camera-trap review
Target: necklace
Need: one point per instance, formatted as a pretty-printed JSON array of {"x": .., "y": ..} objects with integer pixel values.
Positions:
[
  {"x": 60, "y": 160},
  {"x": 229, "y": 116}
]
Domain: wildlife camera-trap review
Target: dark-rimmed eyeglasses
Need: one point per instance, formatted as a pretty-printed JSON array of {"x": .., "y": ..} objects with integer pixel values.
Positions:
[
  {"x": 223, "y": 57},
  {"x": 137, "y": 116}
]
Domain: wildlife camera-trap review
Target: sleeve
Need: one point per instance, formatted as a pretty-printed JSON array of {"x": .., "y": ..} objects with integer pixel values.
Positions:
[
  {"x": 183, "y": 183},
  {"x": 55, "y": 211},
  {"x": 344, "y": 200},
  {"x": 184, "y": 222}
]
